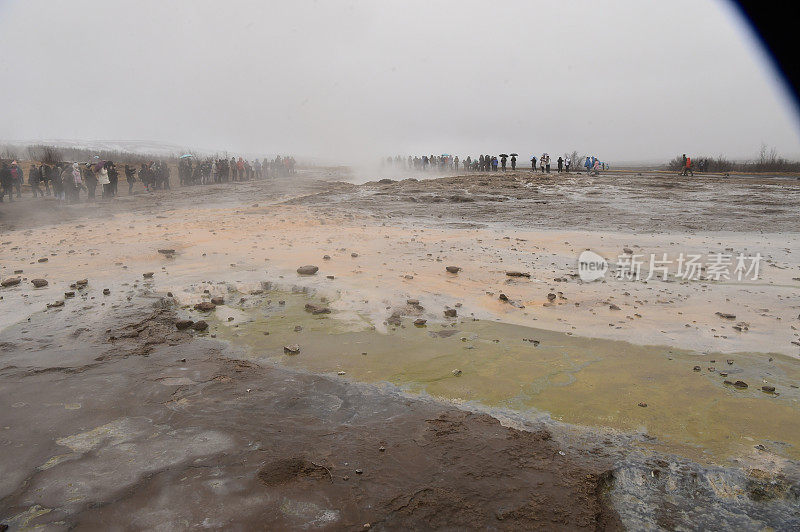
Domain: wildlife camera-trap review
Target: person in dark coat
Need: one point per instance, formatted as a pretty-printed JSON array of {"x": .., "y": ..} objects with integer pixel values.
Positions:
[
  {"x": 6, "y": 183},
  {"x": 34, "y": 178}
]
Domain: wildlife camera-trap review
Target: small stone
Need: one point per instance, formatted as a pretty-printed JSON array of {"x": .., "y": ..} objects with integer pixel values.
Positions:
[
  {"x": 205, "y": 306},
  {"x": 503, "y": 297},
  {"x": 55, "y": 304},
  {"x": 13, "y": 281},
  {"x": 218, "y": 300},
  {"x": 317, "y": 309},
  {"x": 697, "y": 368},
  {"x": 613, "y": 307},
  {"x": 518, "y": 274},
  {"x": 326, "y": 257},
  {"x": 768, "y": 389},
  {"x": 420, "y": 322},
  {"x": 183, "y": 324},
  {"x": 106, "y": 291},
  {"x": 292, "y": 349},
  {"x": 307, "y": 270},
  {"x": 298, "y": 328},
  {"x": 726, "y": 315},
  {"x": 643, "y": 405},
  {"x": 740, "y": 384},
  {"x": 354, "y": 255},
  {"x": 551, "y": 296},
  {"x": 166, "y": 251},
  {"x": 43, "y": 259},
  {"x": 148, "y": 275},
  {"x": 69, "y": 294},
  {"x": 200, "y": 325},
  {"x": 359, "y": 471},
  {"x": 382, "y": 448},
  {"x": 453, "y": 269},
  {"x": 340, "y": 373},
  {"x": 456, "y": 372},
  {"x": 39, "y": 283},
  {"x": 450, "y": 313},
  {"x": 412, "y": 302}
]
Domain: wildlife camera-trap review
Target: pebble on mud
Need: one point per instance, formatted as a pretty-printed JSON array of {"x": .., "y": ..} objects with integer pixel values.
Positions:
[
  {"x": 292, "y": 349},
  {"x": 183, "y": 324},
  {"x": 200, "y": 325},
  {"x": 420, "y": 322},
  {"x": 456, "y": 372},
  {"x": 13, "y": 281},
  {"x": 148, "y": 275},
  {"x": 317, "y": 309},
  {"x": 450, "y": 313},
  {"x": 643, "y": 405},
  {"x": 726, "y": 315},
  {"x": 205, "y": 306},
  {"x": 453, "y": 269},
  {"x": 518, "y": 274},
  {"x": 39, "y": 283},
  {"x": 768, "y": 389},
  {"x": 308, "y": 269},
  {"x": 218, "y": 300},
  {"x": 106, "y": 291}
]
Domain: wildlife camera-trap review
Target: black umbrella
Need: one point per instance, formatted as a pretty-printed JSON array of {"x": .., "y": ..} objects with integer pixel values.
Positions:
[
  {"x": 503, "y": 155},
  {"x": 514, "y": 155}
]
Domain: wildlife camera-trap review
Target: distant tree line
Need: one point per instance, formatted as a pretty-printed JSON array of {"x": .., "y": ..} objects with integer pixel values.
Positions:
[{"x": 768, "y": 161}]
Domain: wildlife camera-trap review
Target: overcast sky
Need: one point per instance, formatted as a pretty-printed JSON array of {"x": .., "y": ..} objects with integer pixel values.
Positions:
[{"x": 352, "y": 80}]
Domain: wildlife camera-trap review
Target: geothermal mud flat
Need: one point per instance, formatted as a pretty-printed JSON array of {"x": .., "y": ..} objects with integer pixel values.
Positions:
[{"x": 559, "y": 404}]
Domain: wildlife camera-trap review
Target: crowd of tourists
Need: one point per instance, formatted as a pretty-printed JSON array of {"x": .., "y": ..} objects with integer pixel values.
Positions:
[
  {"x": 67, "y": 181},
  {"x": 488, "y": 163}
]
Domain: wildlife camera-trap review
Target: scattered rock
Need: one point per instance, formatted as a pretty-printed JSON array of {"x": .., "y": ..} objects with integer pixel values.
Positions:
[
  {"x": 148, "y": 275},
  {"x": 43, "y": 259},
  {"x": 412, "y": 302},
  {"x": 200, "y": 325},
  {"x": 503, "y": 297},
  {"x": 697, "y": 368},
  {"x": 354, "y": 255},
  {"x": 768, "y": 389},
  {"x": 307, "y": 270},
  {"x": 453, "y": 269},
  {"x": 450, "y": 313},
  {"x": 39, "y": 283},
  {"x": 205, "y": 306},
  {"x": 742, "y": 326},
  {"x": 643, "y": 405},
  {"x": 614, "y": 307},
  {"x": 518, "y": 274},
  {"x": 456, "y": 372},
  {"x": 218, "y": 300},
  {"x": 326, "y": 257},
  {"x": 292, "y": 349},
  {"x": 726, "y": 316},
  {"x": 420, "y": 322},
  {"x": 317, "y": 309},
  {"x": 183, "y": 324},
  {"x": 167, "y": 251},
  {"x": 82, "y": 283},
  {"x": 740, "y": 384},
  {"x": 55, "y": 304},
  {"x": 106, "y": 291},
  {"x": 13, "y": 281},
  {"x": 69, "y": 294}
]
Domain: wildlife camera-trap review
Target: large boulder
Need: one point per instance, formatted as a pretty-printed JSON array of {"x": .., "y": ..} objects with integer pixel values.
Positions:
[{"x": 307, "y": 270}]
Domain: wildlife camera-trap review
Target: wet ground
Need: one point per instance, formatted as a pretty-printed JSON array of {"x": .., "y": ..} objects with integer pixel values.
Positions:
[{"x": 228, "y": 430}]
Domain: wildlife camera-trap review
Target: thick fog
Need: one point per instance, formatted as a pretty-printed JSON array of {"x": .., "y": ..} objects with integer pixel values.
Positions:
[{"x": 349, "y": 81}]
